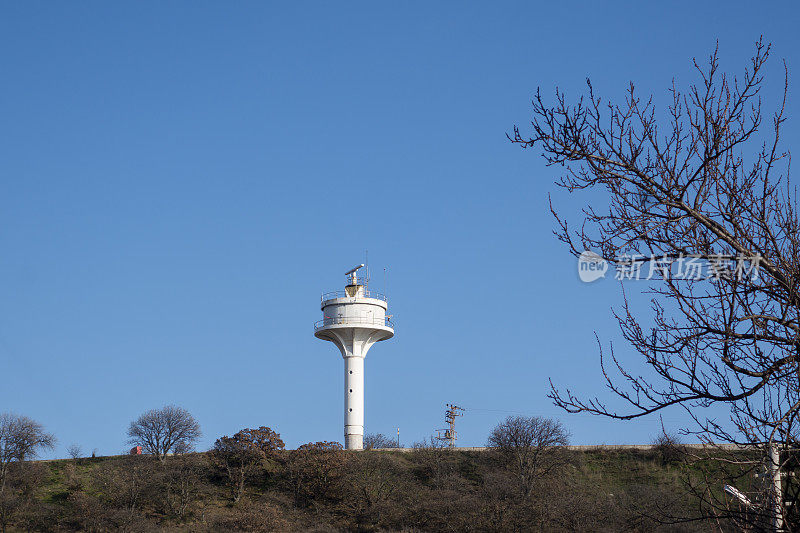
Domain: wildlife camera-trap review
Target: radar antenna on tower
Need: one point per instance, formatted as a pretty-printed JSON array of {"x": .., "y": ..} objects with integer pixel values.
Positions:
[{"x": 355, "y": 286}]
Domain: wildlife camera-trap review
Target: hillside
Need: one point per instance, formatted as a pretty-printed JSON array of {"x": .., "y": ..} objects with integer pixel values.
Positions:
[{"x": 330, "y": 490}]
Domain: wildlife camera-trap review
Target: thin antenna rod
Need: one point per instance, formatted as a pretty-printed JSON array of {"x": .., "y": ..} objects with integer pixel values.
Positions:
[{"x": 384, "y": 283}]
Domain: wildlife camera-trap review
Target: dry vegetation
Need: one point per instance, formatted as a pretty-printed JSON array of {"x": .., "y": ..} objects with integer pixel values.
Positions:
[
  {"x": 527, "y": 480},
  {"x": 322, "y": 488}
]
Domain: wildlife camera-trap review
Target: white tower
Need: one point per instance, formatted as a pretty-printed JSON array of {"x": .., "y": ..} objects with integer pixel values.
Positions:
[{"x": 354, "y": 319}]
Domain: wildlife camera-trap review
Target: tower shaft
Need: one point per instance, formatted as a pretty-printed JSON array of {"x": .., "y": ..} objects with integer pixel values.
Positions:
[
  {"x": 353, "y": 344},
  {"x": 354, "y": 403}
]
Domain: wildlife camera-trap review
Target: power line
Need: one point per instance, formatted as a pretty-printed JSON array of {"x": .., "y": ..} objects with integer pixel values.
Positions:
[
  {"x": 519, "y": 413},
  {"x": 496, "y": 411}
]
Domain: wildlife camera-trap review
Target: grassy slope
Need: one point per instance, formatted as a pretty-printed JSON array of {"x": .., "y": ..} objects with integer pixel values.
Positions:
[{"x": 607, "y": 472}]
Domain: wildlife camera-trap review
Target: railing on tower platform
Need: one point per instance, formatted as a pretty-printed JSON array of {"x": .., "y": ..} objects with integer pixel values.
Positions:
[
  {"x": 353, "y": 320},
  {"x": 365, "y": 293}
]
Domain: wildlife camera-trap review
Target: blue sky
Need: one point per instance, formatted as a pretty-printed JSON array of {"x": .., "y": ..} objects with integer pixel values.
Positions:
[{"x": 180, "y": 181}]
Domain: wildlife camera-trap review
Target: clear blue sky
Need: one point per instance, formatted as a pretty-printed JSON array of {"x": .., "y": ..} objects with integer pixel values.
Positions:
[{"x": 180, "y": 181}]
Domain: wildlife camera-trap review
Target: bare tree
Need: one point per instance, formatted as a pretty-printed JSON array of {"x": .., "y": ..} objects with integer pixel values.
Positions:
[
  {"x": 75, "y": 451},
  {"x": 668, "y": 447},
  {"x": 704, "y": 180},
  {"x": 530, "y": 445},
  {"x": 161, "y": 431},
  {"x": 179, "y": 485},
  {"x": 20, "y": 440},
  {"x": 379, "y": 440},
  {"x": 126, "y": 485}
]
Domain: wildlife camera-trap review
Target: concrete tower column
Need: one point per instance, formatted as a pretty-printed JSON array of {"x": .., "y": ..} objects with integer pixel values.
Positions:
[{"x": 354, "y": 403}]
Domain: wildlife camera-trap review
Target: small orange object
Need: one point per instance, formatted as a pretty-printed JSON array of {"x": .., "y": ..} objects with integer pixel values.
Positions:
[{"x": 136, "y": 450}]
